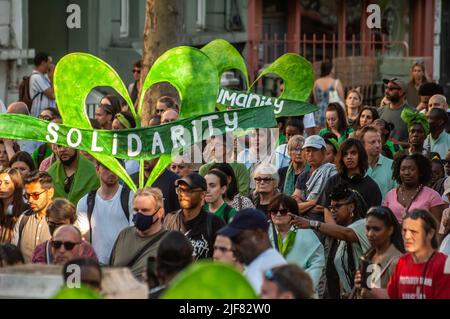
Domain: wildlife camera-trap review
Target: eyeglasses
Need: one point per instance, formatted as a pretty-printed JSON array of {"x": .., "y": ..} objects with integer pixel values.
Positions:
[
  {"x": 222, "y": 249},
  {"x": 68, "y": 245},
  {"x": 263, "y": 179},
  {"x": 35, "y": 196},
  {"x": 282, "y": 211},
  {"x": 136, "y": 71},
  {"x": 158, "y": 111},
  {"x": 270, "y": 275},
  {"x": 54, "y": 225},
  {"x": 392, "y": 88},
  {"x": 338, "y": 205},
  {"x": 188, "y": 191}
]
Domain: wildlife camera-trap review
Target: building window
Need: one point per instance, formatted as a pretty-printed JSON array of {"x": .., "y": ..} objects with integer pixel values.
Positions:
[{"x": 124, "y": 18}]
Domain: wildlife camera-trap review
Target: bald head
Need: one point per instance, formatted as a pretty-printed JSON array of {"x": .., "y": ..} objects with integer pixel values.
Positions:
[
  {"x": 438, "y": 101},
  {"x": 169, "y": 115},
  {"x": 18, "y": 108},
  {"x": 68, "y": 232},
  {"x": 66, "y": 242}
]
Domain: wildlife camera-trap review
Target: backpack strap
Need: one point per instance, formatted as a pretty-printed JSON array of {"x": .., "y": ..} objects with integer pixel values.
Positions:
[
  {"x": 146, "y": 246},
  {"x": 124, "y": 199},
  {"x": 209, "y": 218},
  {"x": 22, "y": 224},
  {"x": 90, "y": 209},
  {"x": 226, "y": 213}
]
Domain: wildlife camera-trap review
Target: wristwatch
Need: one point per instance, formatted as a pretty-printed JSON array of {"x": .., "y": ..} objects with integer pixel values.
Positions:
[{"x": 314, "y": 224}]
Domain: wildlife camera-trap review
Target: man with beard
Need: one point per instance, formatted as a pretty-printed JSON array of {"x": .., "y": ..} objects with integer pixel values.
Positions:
[
  {"x": 31, "y": 228},
  {"x": 438, "y": 140},
  {"x": 103, "y": 213},
  {"x": 248, "y": 232},
  {"x": 198, "y": 225},
  {"x": 73, "y": 175},
  {"x": 135, "y": 244},
  {"x": 395, "y": 92},
  {"x": 165, "y": 182}
]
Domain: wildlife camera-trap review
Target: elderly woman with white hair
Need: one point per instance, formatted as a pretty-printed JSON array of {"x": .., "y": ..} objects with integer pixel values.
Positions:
[
  {"x": 289, "y": 174},
  {"x": 266, "y": 179}
]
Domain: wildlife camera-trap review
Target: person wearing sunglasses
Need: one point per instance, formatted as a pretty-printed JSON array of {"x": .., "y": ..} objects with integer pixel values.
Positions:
[
  {"x": 31, "y": 229},
  {"x": 59, "y": 213},
  {"x": 65, "y": 244},
  {"x": 346, "y": 239},
  {"x": 197, "y": 224},
  {"x": 266, "y": 179},
  {"x": 164, "y": 103},
  {"x": 287, "y": 282},
  {"x": 299, "y": 246},
  {"x": 135, "y": 87},
  {"x": 395, "y": 93}
]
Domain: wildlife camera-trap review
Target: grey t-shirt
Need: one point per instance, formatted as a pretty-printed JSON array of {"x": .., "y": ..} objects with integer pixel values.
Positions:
[{"x": 400, "y": 131}]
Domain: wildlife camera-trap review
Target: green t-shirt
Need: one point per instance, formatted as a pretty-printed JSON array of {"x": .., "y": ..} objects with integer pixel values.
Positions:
[
  {"x": 239, "y": 169},
  {"x": 221, "y": 212},
  {"x": 340, "y": 139},
  {"x": 35, "y": 155}
]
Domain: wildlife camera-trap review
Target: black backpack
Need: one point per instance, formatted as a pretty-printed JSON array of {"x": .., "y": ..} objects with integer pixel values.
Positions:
[{"x": 124, "y": 199}]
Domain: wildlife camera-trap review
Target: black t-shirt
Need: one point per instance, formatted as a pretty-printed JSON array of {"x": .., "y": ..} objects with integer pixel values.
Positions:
[
  {"x": 197, "y": 232},
  {"x": 282, "y": 173},
  {"x": 366, "y": 186},
  {"x": 166, "y": 183},
  {"x": 264, "y": 208}
]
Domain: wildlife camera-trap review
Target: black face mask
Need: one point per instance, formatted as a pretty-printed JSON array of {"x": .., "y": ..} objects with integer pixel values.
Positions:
[{"x": 143, "y": 222}]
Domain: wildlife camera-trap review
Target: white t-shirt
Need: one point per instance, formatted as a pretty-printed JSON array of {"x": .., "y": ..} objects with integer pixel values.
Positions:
[
  {"x": 107, "y": 220},
  {"x": 2, "y": 107},
  {"x": 131, "y": 166},
  {"x": 265, "y": 261},
  {"x": 39, "y": 83},
  {"x": 445, "y": 246}
]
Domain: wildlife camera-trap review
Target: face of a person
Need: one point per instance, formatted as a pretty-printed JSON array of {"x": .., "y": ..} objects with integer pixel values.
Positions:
[
  {"x": 351, "y": 158},
  {"x": 265, "y": 183},
  {"x": 147, "y": 205},
  {"x": 168, "y": 116},
  {"x": 342, "y": 211},
  {"x": 214, "y": 192},
  {"x": 414, "y": 235},
  {"x": 190, "y": 198},
  {"x": 66, "y": 154},
  {"x": 377, "y": 232},
  {"x": 136, "y": 73},
  {"x": 22, "y": 167},
  {"x": 150, "y": 164},
  {"x": 4, "y": 161},
  {"x": 296, "y": 154},
  {"x": 332, "y": 119},
  {"x": 409, "y": 173},
  {"x": 102, "y": 117},
  {"x": 313, "y": 156},
  {"x": 280, "y": 216},
  {"x": 291, "y": 131},
  {"x": 106, "y": 176},
  {"x": 223, "y": 250},
  {"x": 43, "y": 196},
  {"x": 330, "y": 156},
  {"x": 425, "y": 100},
  {"x": 218, "y": 150},
  {"x": 160, "y": 108},
  {"x": 6, "y": 186},
  {"x": 62, "y": 255},
  {"x": 436, "y": 103},
  {"x": 245, "y": 246},
  {"x": 372, "y": 143},
  {"x": 353, "y": 101},
  {"x": 437, "y": 172},
  {"x": 416, "y": 134},
  {"x": 393, "y": 91},
  {"x": 46, "y": 115},
  {"x": 116, "y": 125},
  {"x": 366, "y": 118},
  {"x": 417, "y": 73},
  {"x": 435, "y": 122},
  {"x": 270, "y": 290},
  {"x": 54, "y": 223},
  {"x": 181, "y": 169}
]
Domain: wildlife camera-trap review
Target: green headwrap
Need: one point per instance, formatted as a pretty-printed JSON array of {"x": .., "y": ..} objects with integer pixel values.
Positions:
[{"x": 410, "y": 118}]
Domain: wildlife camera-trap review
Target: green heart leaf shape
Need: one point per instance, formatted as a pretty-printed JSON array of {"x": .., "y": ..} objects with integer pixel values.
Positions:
[
  {"x": 210, "y": 280},
  {"x": 194, "y": 73}
]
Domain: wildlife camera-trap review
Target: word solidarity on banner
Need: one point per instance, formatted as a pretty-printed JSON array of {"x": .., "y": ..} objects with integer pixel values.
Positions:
[{"x": 196, "y": 76}]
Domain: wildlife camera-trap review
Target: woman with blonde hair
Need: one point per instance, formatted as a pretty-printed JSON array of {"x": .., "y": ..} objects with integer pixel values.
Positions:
[
  {"x": 418, "y": 78},
  {"x": 353, "y": 106}
]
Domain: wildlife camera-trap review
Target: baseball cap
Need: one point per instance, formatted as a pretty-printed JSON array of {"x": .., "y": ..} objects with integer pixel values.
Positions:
[
  {"x": 245, "y": 219},
  {"x": 315, "y": 141},
  {"x": 193, "y": 180},
  {"x": 396, "y": 81}
]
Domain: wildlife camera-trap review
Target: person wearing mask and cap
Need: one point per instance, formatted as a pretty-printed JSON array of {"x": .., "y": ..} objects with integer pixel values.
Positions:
[
  {"x": 197, "y": 224},
  {"x": 136, "y": 243},
  {"x": 248, "y": 232},
  {"x": 391, "y": 112}
]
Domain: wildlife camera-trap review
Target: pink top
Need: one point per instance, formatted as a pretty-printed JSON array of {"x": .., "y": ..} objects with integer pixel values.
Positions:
[{"x": 426, "y": 199}]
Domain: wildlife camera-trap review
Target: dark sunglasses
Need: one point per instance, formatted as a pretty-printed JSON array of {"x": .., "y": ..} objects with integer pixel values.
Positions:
[
  {"x": 35, "y": 196},
  {"x": 68, "y": 245},
  {"x": 282, "y": 211},
  {"x": 136, "y": 71},
  {"x": 263, "y": 179},
  {"x": 393, "y": 88}
]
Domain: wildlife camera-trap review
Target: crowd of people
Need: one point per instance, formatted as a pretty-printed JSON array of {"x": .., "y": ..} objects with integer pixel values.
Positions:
[{"x": 355, "y": 207}]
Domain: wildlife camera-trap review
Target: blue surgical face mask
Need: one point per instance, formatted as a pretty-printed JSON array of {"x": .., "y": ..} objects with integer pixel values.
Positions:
[{"x": 143, "y": 222}]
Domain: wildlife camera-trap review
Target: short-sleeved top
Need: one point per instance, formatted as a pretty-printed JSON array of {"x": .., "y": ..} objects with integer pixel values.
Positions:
[
  {"x": 411, "y": 280},
  {"x": 342, "y": 138},
  {"x": 382, "y": 174},
  {"x": 39, "y": 83},
  {"x": 426, "y": 199},
  {"x": 400, "y": 131},
  {"x": 317, "y": 180},
  {"x": 359, "y": 248},
  {"x": 365, "y": 186},
  {"x": 128, "y": 244},
  {"x": 441, "y": 145},
  {"x": 225, "y": 211}
]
